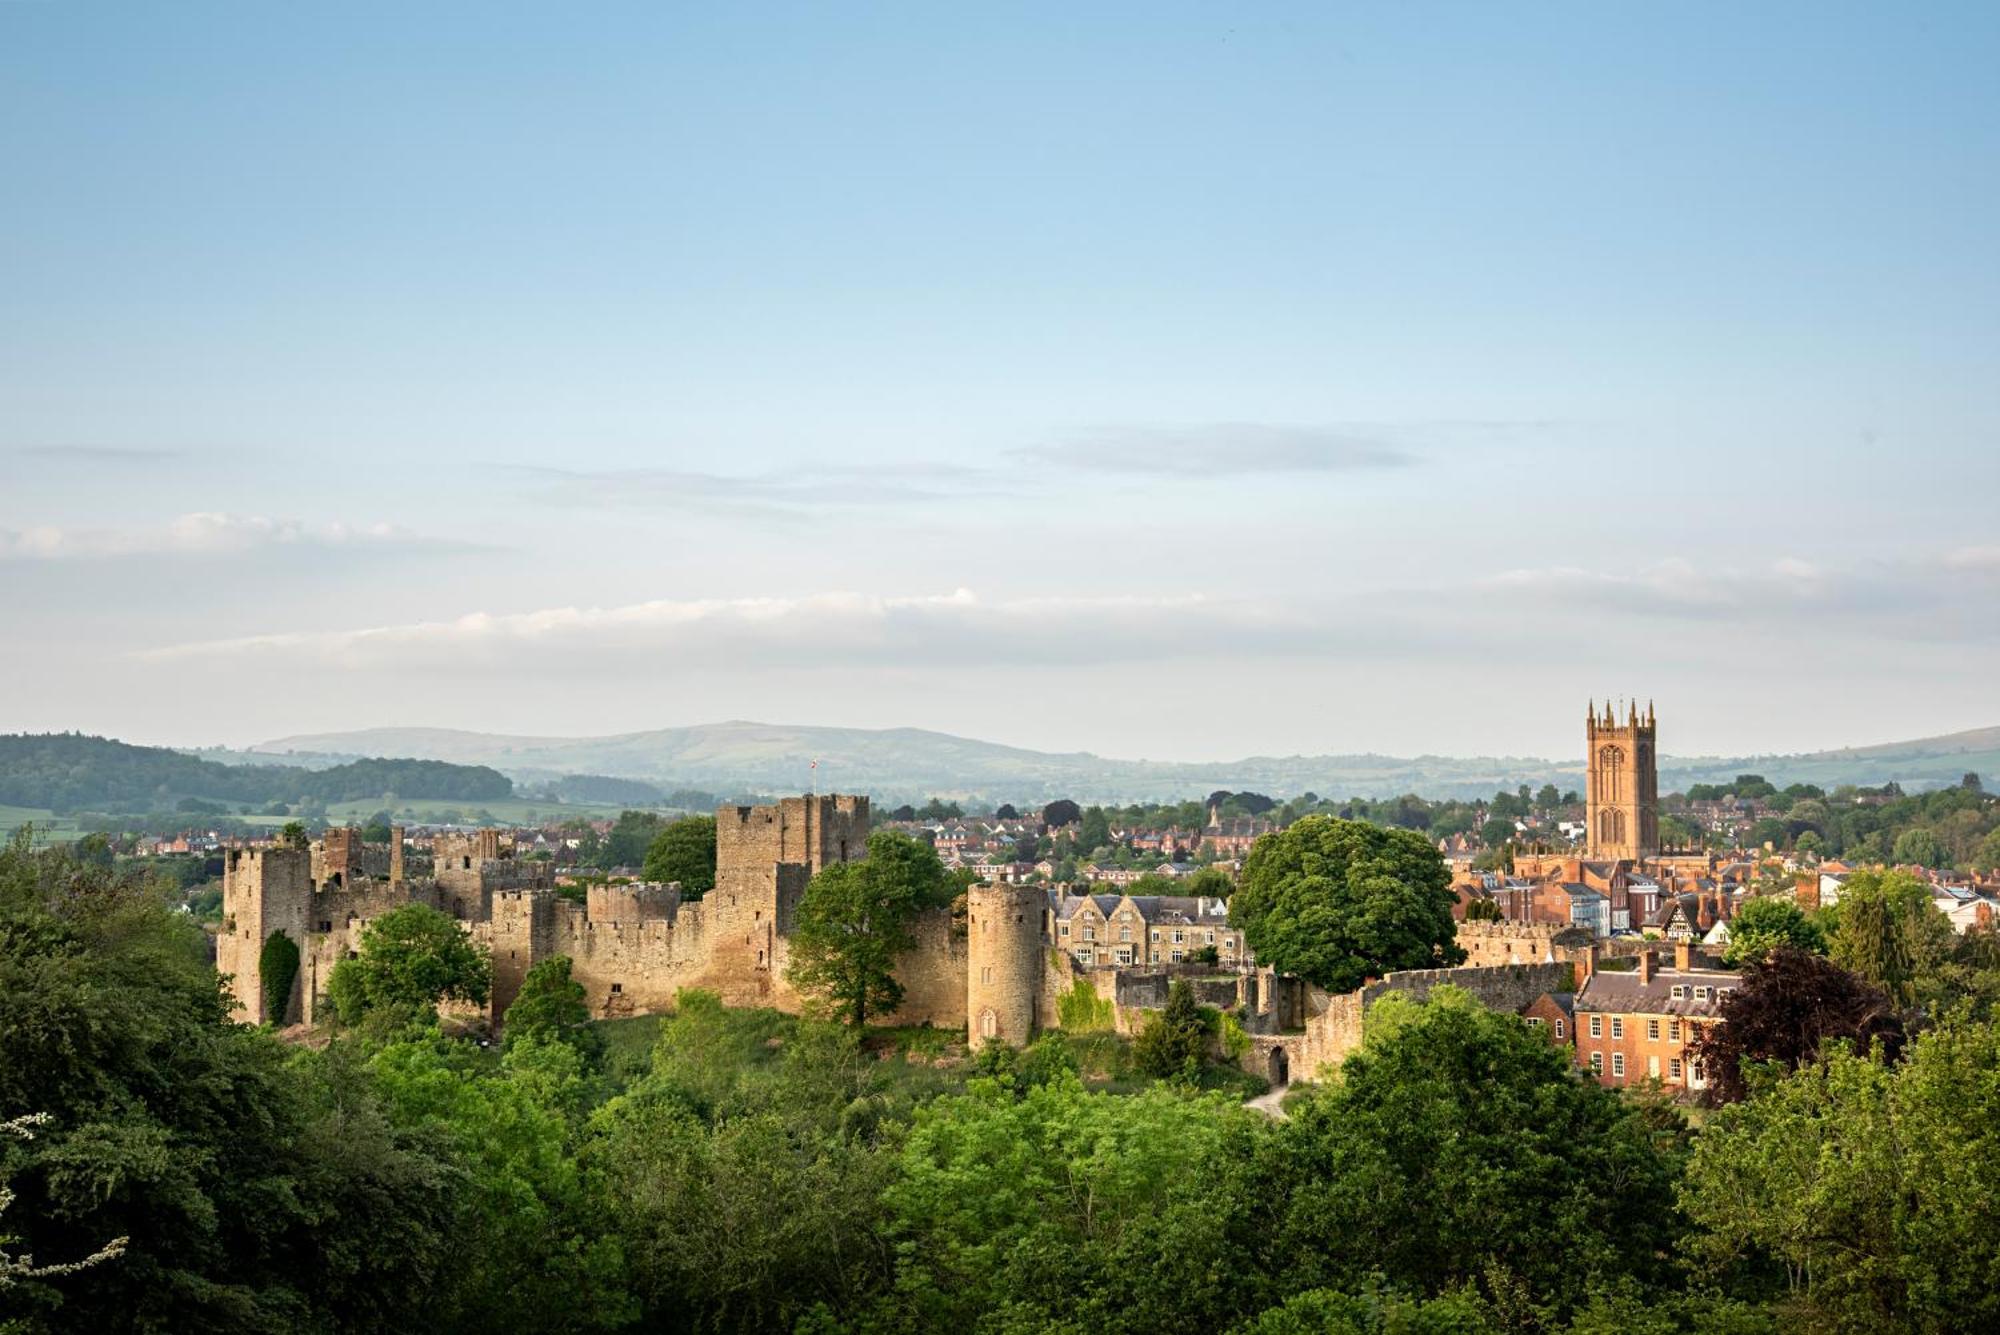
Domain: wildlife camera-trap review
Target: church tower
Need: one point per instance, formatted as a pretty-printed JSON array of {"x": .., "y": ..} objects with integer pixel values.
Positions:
[{"x": 1624, "y": 788}]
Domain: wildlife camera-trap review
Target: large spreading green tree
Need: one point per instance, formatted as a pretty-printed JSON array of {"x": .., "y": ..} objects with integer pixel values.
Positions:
[
  {"x": 1764, "y": 924},
  {"x": 411, "y": 958},
  {"x": 550, "y": 1007},
  {"x": 855, "y": 921},
  {"x": 1339, "y": 901},
  {"x": 685, "y": 852}
]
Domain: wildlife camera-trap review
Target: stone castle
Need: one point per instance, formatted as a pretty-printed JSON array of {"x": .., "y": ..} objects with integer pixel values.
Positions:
[
  {"x": 632, "y": 947},
  {"x": 997, "y": 972}
]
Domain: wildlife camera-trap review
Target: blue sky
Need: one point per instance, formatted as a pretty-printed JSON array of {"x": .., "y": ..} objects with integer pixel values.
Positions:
[{"x": 1159, "y": 380}]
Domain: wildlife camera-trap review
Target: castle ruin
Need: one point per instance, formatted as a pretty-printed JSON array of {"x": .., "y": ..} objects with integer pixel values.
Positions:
[{"x": 632, "y": 947}]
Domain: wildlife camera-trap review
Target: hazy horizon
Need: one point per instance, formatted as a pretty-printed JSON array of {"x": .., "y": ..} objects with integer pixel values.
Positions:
[{"x": 1151, "y": 381}]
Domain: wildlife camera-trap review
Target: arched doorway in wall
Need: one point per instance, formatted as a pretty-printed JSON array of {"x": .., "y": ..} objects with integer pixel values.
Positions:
[{"x": 1279, "y": 1065}]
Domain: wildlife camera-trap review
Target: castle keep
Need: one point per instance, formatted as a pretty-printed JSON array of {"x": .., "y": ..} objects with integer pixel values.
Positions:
[{"x": 632, "y": 947}]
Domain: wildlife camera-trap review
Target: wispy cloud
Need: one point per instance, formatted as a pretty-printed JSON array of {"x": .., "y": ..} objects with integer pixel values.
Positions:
[
  {"x": 1948, "y": 596},
  {"x": 205, "y": 534},
  {"x": 849, "y": 628},
  {"x": 1221, "y": 449},
  {"x": 786, "y": 491},
  {"x": 1165, "y": 456},
  {"x": 97, "y": 454}
]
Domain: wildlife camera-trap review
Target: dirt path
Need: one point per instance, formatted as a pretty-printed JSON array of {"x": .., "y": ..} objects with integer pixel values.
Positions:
[{"x": 1271, "y": 1104}]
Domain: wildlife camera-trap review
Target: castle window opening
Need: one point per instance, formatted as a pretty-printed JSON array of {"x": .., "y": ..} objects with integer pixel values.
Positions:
[
  {"x": 326, "y": 926},
  {"x": 989, "y": 1024},
  {"x": 618, "y": 987}
]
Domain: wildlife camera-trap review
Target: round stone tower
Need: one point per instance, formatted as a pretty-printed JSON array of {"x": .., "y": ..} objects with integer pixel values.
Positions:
[{"x": 1003, "y": 959}]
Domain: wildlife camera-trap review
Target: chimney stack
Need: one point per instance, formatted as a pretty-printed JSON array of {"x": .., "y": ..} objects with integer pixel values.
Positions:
[
  {"x": 1683, "y": 955},
  {"x": 1649, "y": 964}
]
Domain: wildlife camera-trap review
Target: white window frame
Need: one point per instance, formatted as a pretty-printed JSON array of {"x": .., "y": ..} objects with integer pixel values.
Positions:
[
  {"x": 1597, "y": 1063},
  {"x": 1617, "y": 1066},
  {"x": 1597, "y": 1026},
  {"x": 1618, "y": 1026}
]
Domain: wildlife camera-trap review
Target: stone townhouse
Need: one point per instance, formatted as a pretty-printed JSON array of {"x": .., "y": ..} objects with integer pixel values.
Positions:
[{"x": 1114, "y": 930}]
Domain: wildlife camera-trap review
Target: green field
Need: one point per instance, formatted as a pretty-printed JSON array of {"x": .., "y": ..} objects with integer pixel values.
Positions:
[{"x": 49, "y": 827}]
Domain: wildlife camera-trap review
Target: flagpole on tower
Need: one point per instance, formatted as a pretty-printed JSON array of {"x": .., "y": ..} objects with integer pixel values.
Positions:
[{"x": 812, "y": 778}]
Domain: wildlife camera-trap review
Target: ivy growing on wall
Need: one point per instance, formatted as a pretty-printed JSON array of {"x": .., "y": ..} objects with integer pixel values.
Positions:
[
  {"x": 279, "y": 966},
  {"x": 1081, "y": 1010}
]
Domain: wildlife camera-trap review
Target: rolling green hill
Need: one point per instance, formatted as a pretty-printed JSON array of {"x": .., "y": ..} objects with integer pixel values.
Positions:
[{"x": 899, "y": 764}]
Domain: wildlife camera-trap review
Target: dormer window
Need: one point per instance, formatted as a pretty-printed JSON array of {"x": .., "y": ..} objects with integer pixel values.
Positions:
[
  {"x": 1680, "y": 989},
  {"x": 1701, "y": 994}
]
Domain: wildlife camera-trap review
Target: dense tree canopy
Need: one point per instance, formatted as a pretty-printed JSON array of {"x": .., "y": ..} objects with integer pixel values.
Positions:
[
  {"x": 65, "y": 771},
  {"x": 1338, "y": 901},
  {"x": 259, "y": 1190},
  {"x": 1870, "y": 1192},
  {"x": 1458, "y": 1145},
  {"x": 1886, "y": 929}
]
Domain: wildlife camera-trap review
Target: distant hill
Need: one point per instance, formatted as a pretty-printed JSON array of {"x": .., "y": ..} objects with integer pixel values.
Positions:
[
  {"x": 901, "y": 764},
  {"x": 72, "y": 772}
]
